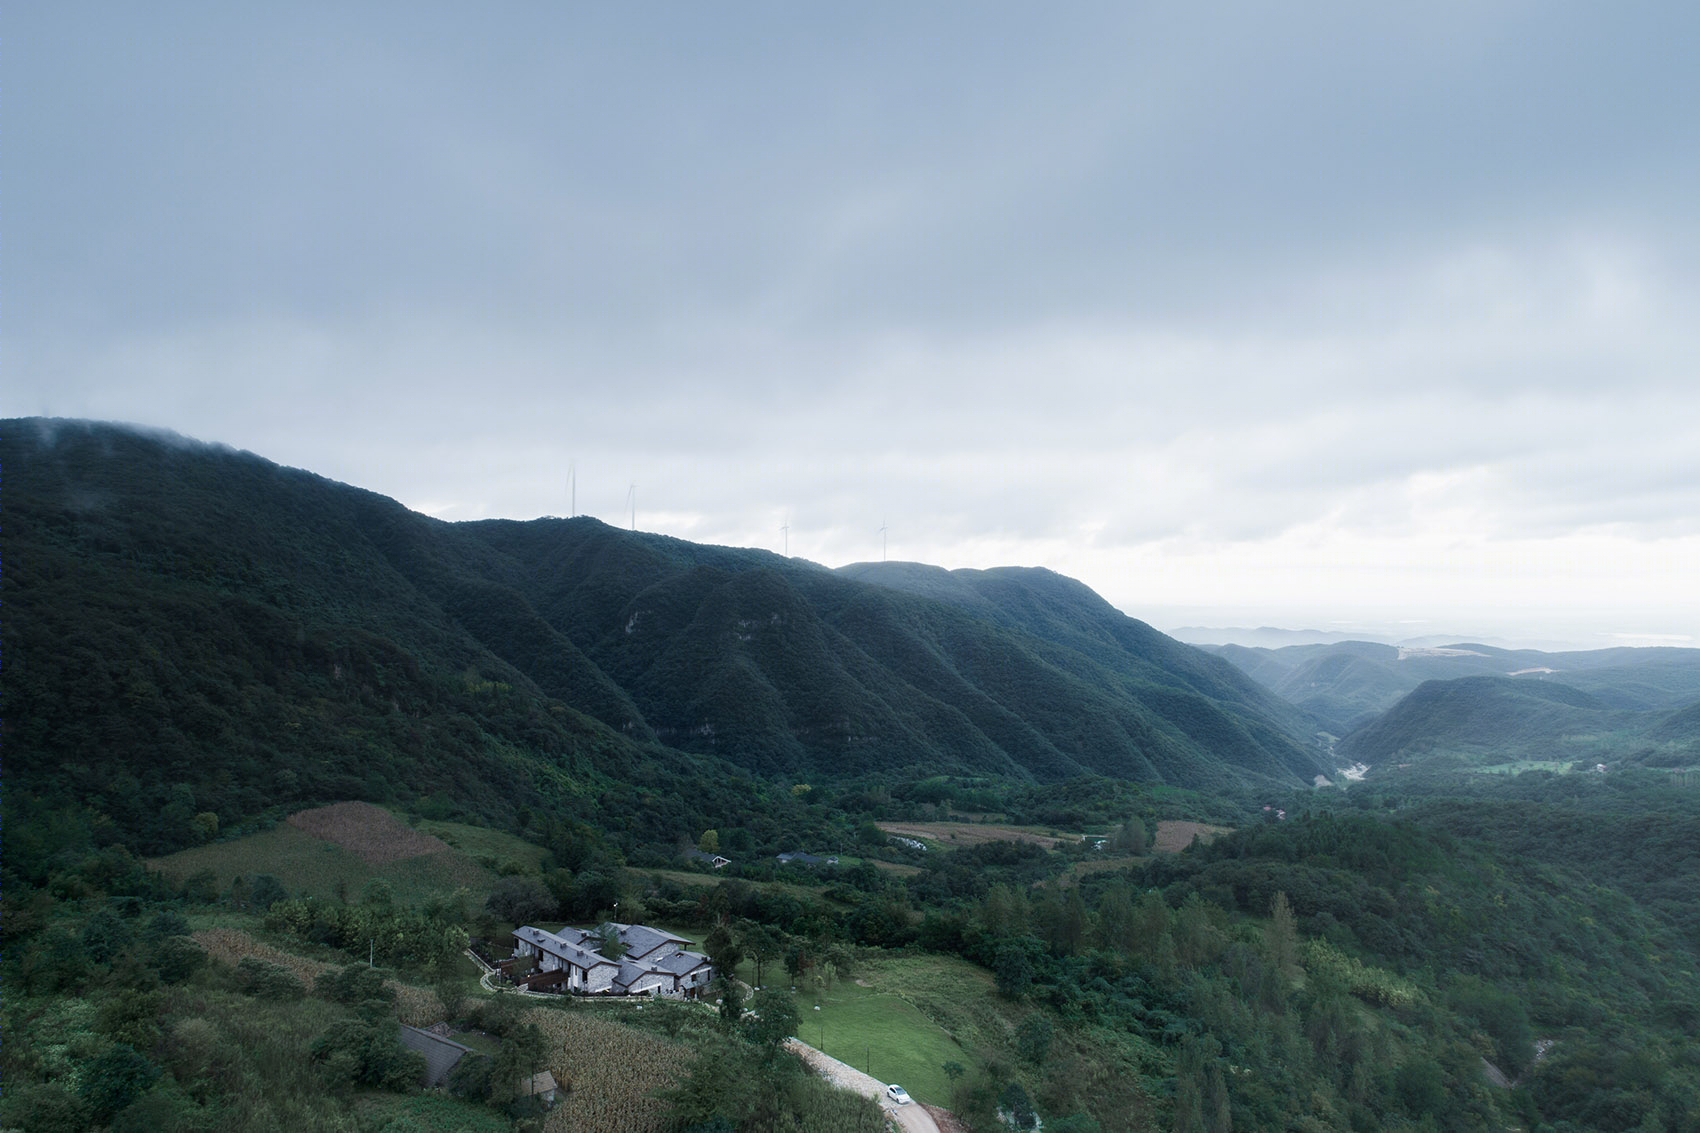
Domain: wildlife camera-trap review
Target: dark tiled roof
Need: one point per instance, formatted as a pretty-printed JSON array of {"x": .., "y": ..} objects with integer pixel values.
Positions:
[
  {"x": 440, "y": 1054},
  {"x": 640, "y": 940}
]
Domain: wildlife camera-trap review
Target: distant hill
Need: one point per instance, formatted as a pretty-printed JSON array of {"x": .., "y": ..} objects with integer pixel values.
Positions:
[
  {"x": 1345, "y": 684},
  {"x": 1475, "y": 721},
  {"x": 199, "y": 632}
]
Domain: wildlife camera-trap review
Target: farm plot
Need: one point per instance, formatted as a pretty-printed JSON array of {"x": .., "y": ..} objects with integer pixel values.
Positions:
[
  {"x": 310, "y": 865},
  {"x": 952, "y": 835},
  {"x": 371, "y": 833},
  {"x": 1174, "y": 836},
  {"x": 614, "y": 1073}
]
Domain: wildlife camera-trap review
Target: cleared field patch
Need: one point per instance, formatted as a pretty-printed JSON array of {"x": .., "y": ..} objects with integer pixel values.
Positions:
[
  {"x": 1173, "y": 836},
  {"x": 485, "y": 846},
  {"x": 952, "y": 835},
  {"x": 371, "y": 833},
  {"x": 309, "y": 865}
]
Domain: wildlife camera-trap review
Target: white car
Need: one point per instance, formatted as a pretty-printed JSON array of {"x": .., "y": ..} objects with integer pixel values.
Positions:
[{"x": 898, "y": 1094}]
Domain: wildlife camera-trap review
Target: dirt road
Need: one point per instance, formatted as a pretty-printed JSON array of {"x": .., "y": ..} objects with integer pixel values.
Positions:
[{"x": 910, "y": 1117}]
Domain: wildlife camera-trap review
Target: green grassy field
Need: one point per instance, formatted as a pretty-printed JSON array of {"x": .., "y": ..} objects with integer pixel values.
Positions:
[
  {"x": 310, "y": 866},
  {"x": 901, "y": 1018}
]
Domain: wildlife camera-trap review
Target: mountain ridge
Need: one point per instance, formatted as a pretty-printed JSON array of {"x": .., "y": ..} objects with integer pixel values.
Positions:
[{"x": 514, "y": 661}]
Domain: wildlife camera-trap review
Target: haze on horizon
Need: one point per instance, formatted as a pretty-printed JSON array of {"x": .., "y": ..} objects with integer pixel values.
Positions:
[{"x": 1241, "y": 314}]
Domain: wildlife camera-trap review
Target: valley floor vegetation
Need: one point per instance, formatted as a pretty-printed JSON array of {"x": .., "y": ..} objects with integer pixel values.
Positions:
[{"x": 1426, "y": 961}]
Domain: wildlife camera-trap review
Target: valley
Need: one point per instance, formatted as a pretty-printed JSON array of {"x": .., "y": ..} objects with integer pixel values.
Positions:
[{"x": 280, "y": 753}]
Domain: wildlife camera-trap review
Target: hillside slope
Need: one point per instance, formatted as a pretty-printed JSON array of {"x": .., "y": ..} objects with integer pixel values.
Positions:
[
  {"x": 185, "y": 613},
  {"x": 1495, "y": 720},
  {"x": 1344, "y": 684}
]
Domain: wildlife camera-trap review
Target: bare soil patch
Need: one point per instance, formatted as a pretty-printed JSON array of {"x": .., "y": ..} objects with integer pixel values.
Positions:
[
  {"x": 1174, "y": 836},
  {"x": 371, "y": 833},
  {"x": 954, "y": 834}
]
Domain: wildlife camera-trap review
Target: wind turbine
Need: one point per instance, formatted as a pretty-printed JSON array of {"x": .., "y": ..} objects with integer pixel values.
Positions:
[
  {"x": 882, "y": 540},
  {"x": 572, "y": 486},
  {"x": 786, "y": 528},
  {"x": 631, "y": 498}
]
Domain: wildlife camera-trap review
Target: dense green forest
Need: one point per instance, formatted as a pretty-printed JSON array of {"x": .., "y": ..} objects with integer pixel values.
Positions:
[
  {"x": 203, "y": 643},
  {"x": 198, "y": 631}
]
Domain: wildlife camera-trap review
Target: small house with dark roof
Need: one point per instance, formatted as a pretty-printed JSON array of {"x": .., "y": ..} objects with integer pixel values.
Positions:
[
  {"x": 714, "y": 860},
  {"x": 541, "y": 1086},
  {"x": 441, "y": 1054}
]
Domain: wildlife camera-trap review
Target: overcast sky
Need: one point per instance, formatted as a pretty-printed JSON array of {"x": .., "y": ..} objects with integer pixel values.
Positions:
[{"x": 1375, "y": 314}]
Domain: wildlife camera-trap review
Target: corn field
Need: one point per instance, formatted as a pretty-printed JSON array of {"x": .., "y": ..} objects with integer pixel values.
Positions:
[{"x": 613, "y": 1071}]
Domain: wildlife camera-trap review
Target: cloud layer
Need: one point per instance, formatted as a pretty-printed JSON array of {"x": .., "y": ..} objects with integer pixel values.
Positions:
[{"x": 1221, "y": 306}]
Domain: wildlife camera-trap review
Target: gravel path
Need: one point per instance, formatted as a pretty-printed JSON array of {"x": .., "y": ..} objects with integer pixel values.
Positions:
[{"x": 913, "y": 1117}]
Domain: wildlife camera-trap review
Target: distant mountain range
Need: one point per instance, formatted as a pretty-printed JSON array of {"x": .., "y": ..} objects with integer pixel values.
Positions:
[
  {"x": 1272, "y": 637},
  {"x": 198, "y": 630},
  {"x": 1468, "y": 704},
  {"x": 1345, "y": 684}
]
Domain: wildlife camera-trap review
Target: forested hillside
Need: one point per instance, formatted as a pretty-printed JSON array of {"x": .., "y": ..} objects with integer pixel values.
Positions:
[
  {"x": 202, "y": 642},
  {"x": 1501, "y": 721},
  {"x": 1345, "y": 684},
  {"x": 199, "y": 632}
]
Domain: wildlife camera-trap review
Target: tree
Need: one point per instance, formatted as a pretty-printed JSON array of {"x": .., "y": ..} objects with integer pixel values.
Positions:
[
  {"x": 612, "y": 946},
  {"x": 358, "y": 1052},
  {"x": 1014, "y": 971},
  {"x": 1033, "y": 1039},
  {"x": 1129, "y": 838},
  {"x": 472, "y": 1077},
  {"x": 731, "y": 1002},
  {"x": 953, "y": 1071},
  {"x": 709, "y": 843},
  {"x": 522, "y": 1054},
  {"x": 115, "y": 1079},
  {"x": 723, "y": 951},
  {"x": 104, "y": 938},
  {"x": 774, "y": 1021},
  {"x": 1281, "y": 937},
  {"x": 358, "y": 986},
  {"x": 522, "y": 900},
  {"x": 764, "y": 947},
  {"x": 1019, "y": 1106},
  {"x": 175, "y": 958},
  {"x": 265, "y": 980}
]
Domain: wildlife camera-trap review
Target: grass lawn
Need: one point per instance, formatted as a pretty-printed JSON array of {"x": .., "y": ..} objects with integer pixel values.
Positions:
[
  {"x": 882, "y": 1035},
  {"x": 914, "y": 1014}
]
